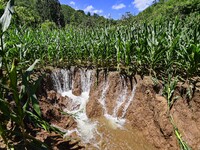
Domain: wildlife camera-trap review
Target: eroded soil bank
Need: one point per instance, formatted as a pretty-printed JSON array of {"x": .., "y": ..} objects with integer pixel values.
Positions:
[{"x": 147, "y": 125}]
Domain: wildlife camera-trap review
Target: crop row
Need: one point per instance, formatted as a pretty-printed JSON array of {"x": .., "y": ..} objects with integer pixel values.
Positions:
[{"x": 158, "y": 49}]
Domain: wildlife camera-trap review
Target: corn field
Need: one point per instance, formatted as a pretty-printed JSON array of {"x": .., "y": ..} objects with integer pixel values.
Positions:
[
  {"x": 155, "y": 49},
  {"x": 160, "y": 49}
]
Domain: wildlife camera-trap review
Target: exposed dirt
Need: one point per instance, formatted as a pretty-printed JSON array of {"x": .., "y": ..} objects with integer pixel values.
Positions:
[
  {"x": 148, "y": 113},
  {"x": 77, "y": 82},
  {"x": 52, "y": 109},
  {"x": 187, "y": 118},
  {"x": 147, "y": 125}
]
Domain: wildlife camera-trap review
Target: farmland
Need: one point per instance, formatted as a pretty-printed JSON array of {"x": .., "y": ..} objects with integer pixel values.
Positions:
[
  {"x": 155, "y": 49},
  {"x": 165, "y": 51}
]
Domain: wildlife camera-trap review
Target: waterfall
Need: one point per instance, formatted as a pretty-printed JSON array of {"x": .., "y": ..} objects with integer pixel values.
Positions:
[
  {"x": 129, "y": 101},
  {"x": 63, "y": 83},
  {"x": 123, "y": 101},
  {"x": 86, "y": 80},
  {"x": 67, "y": 80},
  {"x": 86, "y": 129},
  {"x": 56, "y": 80},
  {"x": 62, "y": 80},
  {"x": 102, "y": 100}
]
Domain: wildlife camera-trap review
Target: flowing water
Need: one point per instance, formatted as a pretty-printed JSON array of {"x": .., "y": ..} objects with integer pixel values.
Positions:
[
  {"x": 108, "y": 132},
  {"x": 85, "y": 128},
  {"x": 123, "y": 100}
]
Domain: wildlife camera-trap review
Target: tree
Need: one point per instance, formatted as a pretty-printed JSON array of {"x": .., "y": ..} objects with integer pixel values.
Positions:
[
  {"x": 50, "y": 10},
  {"x": 127, "y": 16},
  {"x": 95, "y": 15},
  {"x": 89, "y": 14},
  {"x": 155, "y": 1}
]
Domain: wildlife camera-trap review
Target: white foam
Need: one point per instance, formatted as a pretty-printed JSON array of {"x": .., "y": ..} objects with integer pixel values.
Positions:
[
  {"x": 102, "y": 100},
  {"x": 85, "y": 128},
  {"x": 129, "y": 101},
  {"x": 67, "y": 80},
  {"x": 123, "y": 101},
  {"x": 57, "y": 84}
]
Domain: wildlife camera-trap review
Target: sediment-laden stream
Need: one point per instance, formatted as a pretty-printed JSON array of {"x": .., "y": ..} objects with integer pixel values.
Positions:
[
  {"x": 108, "y": 131},
  {"x": 113, "y": 111}
]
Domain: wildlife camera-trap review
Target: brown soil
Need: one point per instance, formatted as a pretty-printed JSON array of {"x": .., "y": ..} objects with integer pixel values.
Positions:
[
  {"x": 148, "y": 113},
  {"x": 147, "y": 119},
  {"x": 52, "y": 105},
  {"x": 147, "y": 116}
]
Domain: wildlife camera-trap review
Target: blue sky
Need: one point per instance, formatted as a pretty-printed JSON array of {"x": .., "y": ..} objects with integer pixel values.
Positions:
[{"x": 109, "y": 8}]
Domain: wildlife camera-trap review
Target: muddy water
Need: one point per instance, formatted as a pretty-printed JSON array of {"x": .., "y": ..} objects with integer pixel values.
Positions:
[
  {"x": 113, "y": 138},
  {"x": 108, "y": 132}
]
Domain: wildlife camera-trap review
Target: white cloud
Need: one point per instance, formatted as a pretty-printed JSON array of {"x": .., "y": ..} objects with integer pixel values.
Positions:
[
  {"x": 119, "y": 6},
  {"x": 97, "y": 11},
  {"x": 142, "y": 4},
  {"x": 72, "y": 3},
  {"x": 91, "y": 9}
]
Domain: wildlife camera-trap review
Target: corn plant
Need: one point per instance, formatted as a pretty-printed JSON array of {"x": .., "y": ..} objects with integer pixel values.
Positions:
[
  {"x": 183, "y": 145},
  {"x": 155, "y": 49},
  {"x": 18, "y": 101},
  {"x": 168, "y": 90}
]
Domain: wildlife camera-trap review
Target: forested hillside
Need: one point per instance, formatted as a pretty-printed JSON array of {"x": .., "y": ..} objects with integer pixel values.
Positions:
[
  {"x": 166, "y": 10},
  {"x": 78, "y": 17},
  {"x": 169, "y": 9},
  {"x": 35, "y": 12}
]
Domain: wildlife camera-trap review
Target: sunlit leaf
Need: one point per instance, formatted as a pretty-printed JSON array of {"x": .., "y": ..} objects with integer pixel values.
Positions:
[
  {"x": 32, "y": 66},
  {"x": 7, "y": 15}
]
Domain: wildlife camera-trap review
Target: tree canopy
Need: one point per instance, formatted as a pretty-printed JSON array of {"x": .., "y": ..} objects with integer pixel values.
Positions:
[{"x": 35, "y": 12}]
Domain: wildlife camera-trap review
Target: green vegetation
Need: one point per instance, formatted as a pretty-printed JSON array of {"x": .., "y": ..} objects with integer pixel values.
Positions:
[
  {"x": 79, "y": 18},
  {"x": 18, "y": 102},
  {"x": 168, "y": 93},
  {"x": 167, "y": 47},
  {"x": 163, "y": 10},
  {"x": 183, "y": 145},
  {"x": 32, "y": 13},
  {"x": 155, "y": 49}
]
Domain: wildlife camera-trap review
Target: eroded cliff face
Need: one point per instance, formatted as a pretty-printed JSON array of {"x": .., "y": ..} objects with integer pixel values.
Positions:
[
  {"x": 147, "y": 111},
  {"x": 130, "y": 113}
]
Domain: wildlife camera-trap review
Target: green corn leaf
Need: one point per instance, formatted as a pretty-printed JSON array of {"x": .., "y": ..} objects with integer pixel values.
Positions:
[
  {"x": 6, "y": 17},
  {"x": 32, "y": 66},
  {"x": 31, "y": 89},
  {"x": 26, "y": 105},
  {"x": 13, "y": 81},
  {"x": 1, "y": 62},
  {"x": 35, "y": 104},
  {"x": 13, "y": 75},
  {"x": 4, "y": 107},
  {"x": 14, "y": 118}
]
